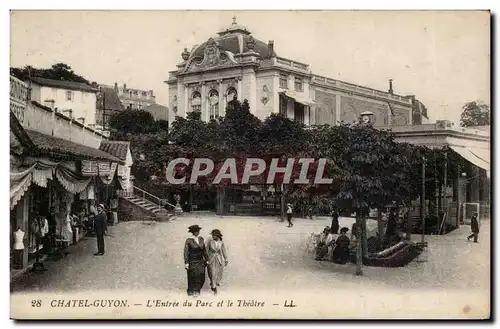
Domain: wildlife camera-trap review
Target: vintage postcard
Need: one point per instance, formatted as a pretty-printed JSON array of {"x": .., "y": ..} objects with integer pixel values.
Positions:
[{"x": 250, "y": 165}]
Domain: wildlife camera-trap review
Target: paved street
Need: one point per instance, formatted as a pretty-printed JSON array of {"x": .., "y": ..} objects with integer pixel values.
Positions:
[{"x": 264, "y": 255}]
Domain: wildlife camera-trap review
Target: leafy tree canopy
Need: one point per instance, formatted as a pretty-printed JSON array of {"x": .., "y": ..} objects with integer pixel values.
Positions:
[
  {"x": 59, "y": 71},
  {"x": 475, "y": 114}
]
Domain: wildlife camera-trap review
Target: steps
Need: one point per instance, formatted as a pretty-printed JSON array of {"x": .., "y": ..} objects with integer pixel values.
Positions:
[{"x": 160, "y": 213}]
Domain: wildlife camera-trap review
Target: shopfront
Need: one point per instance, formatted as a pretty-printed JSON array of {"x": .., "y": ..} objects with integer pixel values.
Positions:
[{"x": 49, "y": 193}]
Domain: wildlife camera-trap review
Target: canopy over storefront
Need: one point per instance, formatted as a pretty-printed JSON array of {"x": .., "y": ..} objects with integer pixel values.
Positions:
[
  {"x": 476, "y": 156},
  {"x": 299, "y": 98}
]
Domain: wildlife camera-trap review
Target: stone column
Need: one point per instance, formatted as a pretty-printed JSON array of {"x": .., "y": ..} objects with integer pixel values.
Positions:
[
  {"x": 204, "y": 110},
  {"x": 22, "y": 219},
  {"x": 275, "y": 94},
  {"x": 253, "y": 94},
  {"x": 186, "y": 98},
  {"x": 240, "y": 91},
  {"x": 221, "y": 98},
  {"x": 338, "y": 109}
]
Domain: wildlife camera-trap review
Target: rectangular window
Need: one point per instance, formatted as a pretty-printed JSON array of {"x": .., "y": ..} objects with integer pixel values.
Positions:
[
  {"x": 69, "y": 95},
  {"x": 299, "y": 84},
  {"x": 283, "y": 106},
  {"x": 283, "y": 81}
]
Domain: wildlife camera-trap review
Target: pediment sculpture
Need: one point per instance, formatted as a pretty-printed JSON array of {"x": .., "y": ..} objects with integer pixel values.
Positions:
[{"x": 213, "y": 57}]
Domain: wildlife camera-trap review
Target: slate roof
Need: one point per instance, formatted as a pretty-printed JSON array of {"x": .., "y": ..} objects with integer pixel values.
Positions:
[
  {"x": 118, "y": 149},
  {"x": 51, "y": 144},
  {"x": 110, "y": 96},
  {"x": 64, "y": 84},
  {"x": 232, "y": 44},
  {"x": 158, "y": 111}
]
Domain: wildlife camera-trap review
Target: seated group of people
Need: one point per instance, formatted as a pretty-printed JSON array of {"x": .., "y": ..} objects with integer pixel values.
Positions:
[{"x": 333, "y": 244}]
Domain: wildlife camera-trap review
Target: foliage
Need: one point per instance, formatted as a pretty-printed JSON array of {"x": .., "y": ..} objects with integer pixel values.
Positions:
[
  {"x": 135, "y": 122},
  {"x": 59, "y": 71},
  {"x": 368, "y": 168},
  {"x": 475, "y": 114}
]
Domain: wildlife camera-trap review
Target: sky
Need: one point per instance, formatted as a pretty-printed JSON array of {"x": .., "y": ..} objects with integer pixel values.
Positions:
[{"x": 442, "y": 57}]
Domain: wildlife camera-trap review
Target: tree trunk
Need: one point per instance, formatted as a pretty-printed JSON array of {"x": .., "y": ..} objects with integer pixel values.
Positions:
[
  {"x": 380, "y": 224},
  {"x": 359, "y": 252},
  {"x": 282, "y": 210},
  {"x": 364, "y": 235}
]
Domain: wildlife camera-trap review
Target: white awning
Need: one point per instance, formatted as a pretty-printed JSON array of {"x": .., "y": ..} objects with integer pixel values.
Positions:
[
  {"x": 478, "y": 157},
  {"x": 299, "y": 98}
]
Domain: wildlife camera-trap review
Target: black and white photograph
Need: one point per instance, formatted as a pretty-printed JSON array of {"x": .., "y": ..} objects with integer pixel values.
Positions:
[{"x": 244, "y": 164}]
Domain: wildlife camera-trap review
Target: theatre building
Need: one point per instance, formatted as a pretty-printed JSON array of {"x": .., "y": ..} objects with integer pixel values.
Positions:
[
  {"x": 56, "y": 171},
  {"x": 234, "y": 63}
]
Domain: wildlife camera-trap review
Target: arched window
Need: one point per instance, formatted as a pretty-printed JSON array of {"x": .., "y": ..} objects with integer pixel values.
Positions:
[
  {"x": 196, "y": 102},
  {"x": 231, "y": 94},
  {"x": 213, "y": 99}
]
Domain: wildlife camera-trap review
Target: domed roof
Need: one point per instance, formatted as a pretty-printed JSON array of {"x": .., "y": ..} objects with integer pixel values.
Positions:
[{"x": 235, "y": 40}]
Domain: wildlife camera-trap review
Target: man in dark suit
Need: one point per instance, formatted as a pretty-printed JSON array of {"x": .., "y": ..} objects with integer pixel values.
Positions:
[
  {"x": 474, "y": 227},
  {"x": 100, "y": 225}
]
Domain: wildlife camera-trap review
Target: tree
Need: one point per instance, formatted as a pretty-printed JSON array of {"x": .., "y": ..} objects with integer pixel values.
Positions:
[
  {"x": 132, "y": 122},
  {"x": 59, "y": 71},
  {"x": 475, "y": 114}
]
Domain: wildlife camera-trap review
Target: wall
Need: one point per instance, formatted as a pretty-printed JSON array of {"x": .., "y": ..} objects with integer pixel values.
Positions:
[
  {"x": 83, "y": 103},
  {"x": 325, "y": 108},
  {"x": 264, "y": 108},
  {"x": 47, "y": 122},
  {"x": 126, "y": 207},
  {"x": 353, "y": 106}
]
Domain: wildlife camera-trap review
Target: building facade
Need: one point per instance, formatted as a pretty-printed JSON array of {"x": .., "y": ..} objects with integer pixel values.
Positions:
[
  {"x": 73, "y": 99},
  {"x": 58, "y": 166},
  {"x": 234, "y": 63},
  {"x": 134, "y": 99}
]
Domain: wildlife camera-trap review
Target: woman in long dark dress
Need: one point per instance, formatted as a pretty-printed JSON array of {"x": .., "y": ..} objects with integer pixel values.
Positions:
[
  {"x": 341, "y": 251},
  {"x": 195, "y": 261}
]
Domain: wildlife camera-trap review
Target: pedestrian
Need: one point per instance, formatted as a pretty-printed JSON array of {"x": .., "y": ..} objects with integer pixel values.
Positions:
[
  {"x": 334, "y": 228},
  {"x": 289, "y": 212},
  {"x": 217, "y": 259},
  {"x": 100, "y": 227},
  {"x": 341, "y": 251},
  {"x": 474, "y": 227},
  {"x": 195, "y": 261}
]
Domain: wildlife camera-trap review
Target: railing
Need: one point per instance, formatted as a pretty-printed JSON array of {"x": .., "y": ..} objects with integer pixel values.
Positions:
[
  {"x": 288, "y": 62},
  {"x": 145, "y": 195},
  {"x": 361, "y": 89}
]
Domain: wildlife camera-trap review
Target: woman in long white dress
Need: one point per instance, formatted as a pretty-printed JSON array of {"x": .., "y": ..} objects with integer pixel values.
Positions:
[{"x": 217, "y": 259}]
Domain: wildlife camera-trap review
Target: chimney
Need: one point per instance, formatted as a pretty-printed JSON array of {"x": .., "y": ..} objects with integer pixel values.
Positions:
[
  {"x": 390, "y": 87},
  {"x": 151, "y": 93},
  {"x": 270, "y": 48},
  {"x": 124, "y": 86},
  {"x": 116, "y": 87}
]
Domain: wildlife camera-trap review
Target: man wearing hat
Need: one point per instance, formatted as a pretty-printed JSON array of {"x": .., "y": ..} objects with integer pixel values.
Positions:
[
  {"x": 100, "y": 227},
  {"x": 195, "y": 261},
  {"x": 289, "y": 212}
]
